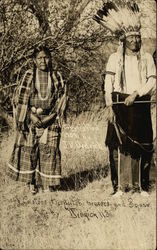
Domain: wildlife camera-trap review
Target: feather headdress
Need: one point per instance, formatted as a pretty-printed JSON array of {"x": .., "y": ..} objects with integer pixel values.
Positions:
[{"x": 121, "y": 17}]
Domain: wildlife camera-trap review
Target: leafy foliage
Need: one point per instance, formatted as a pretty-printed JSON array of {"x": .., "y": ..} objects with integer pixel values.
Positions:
[{"x": 79, "y": 45}]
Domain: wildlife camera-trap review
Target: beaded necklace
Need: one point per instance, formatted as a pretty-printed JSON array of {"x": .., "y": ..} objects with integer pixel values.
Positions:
[{"x": 37, "y": 85}]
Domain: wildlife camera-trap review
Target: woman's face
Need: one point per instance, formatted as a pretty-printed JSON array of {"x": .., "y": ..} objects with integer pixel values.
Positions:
[{"x": 42, "y": 61}]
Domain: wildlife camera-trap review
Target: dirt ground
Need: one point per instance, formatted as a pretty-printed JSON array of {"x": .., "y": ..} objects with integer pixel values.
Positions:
[{"x": 86, "y": 219}]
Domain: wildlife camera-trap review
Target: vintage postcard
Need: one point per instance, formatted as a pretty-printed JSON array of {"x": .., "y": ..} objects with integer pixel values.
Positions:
[{"x": 78, "y": 124}]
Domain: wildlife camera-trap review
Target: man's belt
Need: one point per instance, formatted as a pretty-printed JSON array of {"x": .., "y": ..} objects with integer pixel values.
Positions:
[{"x": 119, "y": 98}]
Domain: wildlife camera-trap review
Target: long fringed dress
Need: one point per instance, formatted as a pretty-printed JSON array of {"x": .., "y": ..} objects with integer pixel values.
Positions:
[{"x": 36, "y": 155}]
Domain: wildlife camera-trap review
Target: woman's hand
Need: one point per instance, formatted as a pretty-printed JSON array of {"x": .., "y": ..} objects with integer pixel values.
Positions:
[
  {"x": 48, "y": 119},
  {"x": 131, "y": 98},
  {"x": 36, "y": 121}
]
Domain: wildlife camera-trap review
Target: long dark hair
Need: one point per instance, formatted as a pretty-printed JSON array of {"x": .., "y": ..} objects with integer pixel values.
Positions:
[
  {"x": 155, "y": 57},
  {"x": 47, "y": 51}
]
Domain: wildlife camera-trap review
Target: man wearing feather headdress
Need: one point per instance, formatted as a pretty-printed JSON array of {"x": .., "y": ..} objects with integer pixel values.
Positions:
[{"x": 130, "y": 74}]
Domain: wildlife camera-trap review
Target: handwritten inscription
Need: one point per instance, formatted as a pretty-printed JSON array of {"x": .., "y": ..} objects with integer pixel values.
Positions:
[
  {"x": 128, "y": 203},
  {"x": 76, "y": 208},
  {"x": 77, "y": 213}
]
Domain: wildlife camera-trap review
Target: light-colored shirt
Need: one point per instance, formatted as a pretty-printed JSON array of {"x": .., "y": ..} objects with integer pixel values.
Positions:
[{"x": 143, "y": 82}]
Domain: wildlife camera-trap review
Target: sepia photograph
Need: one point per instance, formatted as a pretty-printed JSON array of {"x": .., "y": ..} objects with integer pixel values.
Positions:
[{"x": 78, "y": 146}]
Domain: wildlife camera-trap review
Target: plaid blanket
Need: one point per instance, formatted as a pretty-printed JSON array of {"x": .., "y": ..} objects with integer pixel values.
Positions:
[
  {"x": 21, "y": 98},
  {"x": 32, "y": 158}
]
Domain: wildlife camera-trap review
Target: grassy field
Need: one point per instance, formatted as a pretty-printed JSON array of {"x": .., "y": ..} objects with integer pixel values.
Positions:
[{"x": 89, "y": 218}]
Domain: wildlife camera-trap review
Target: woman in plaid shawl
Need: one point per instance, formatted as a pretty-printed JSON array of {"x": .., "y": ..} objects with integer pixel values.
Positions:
[{"x": 42, "y": 98}]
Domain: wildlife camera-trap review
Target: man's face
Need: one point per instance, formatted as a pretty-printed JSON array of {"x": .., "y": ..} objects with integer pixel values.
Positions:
[
  {"x": 133, "y": 42},
  {"x": 42, "y": 61}
]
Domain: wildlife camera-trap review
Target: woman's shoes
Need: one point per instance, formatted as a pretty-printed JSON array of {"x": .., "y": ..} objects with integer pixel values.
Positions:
[
  {"x": 48, "y": 189},
  {"x": 32, "y": 189}
]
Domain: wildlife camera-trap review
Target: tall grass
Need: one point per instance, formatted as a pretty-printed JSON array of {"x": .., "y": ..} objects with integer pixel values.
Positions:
[
  {"x": 83, "y": 143},
  {"x": 44, "y": 221}
]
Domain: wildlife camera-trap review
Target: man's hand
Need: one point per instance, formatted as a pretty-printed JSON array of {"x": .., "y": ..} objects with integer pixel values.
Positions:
[
  {"x": 110, "y": 114},
  {"x": 131, "y": 98},
  {"x": 36, "y": 121}
]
